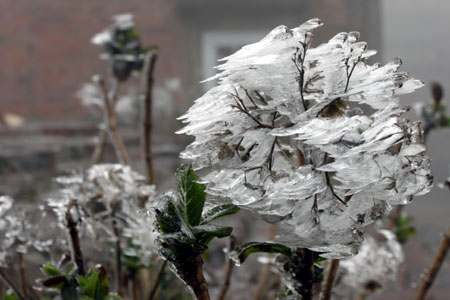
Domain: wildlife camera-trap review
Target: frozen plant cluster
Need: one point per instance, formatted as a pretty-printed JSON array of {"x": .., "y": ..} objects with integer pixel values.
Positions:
[
  {"x": 375, "y": 265},
  {"x": 309, "y": 138},
  {"x": 106, "y": 193},
  {"x": 18, "y": 232},
  {"x": 121, "y": 45}
]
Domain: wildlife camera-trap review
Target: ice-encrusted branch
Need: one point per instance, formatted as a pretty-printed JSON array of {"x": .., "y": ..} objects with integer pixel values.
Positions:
[{"x": 352, "y": 164}]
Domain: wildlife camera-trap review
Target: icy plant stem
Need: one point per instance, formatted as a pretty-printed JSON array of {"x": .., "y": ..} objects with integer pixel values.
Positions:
[
  {"x": 118, "y": 256},
  {"x": 103, "y": 136},
  {"x": 11, "y": 284},
  {"x": 23, "y": 273},
  {"x": 148, "y": 81},
  {"x": 134, "y": 287},
  {"x": 100, "y": 148},
  {"x": 265, "y": 271},
  {"x": 111, "y": 121},
  {"x": 328, "y": 285},
  {"x": 77, "y": 254},
  {"x": 434, "y": 269},
  {"x": 158, "y": 278},
  {"x": 393, "y": 217},
  {"x": 229, "y": 271}
]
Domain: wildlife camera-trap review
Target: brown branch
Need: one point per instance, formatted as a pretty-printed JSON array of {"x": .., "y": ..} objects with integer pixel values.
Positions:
[
  {"x": 134, "y": 287},
  {"x": 23, "y": 273},
  {"x": 229, "y": 271},
  {"x": 111, "y": 122},
  {"x": 261, "y": 288},
  {"x": 158, "y": 278},
  {"x": 118, "y": 252},
  {"x": 434, "y": 269},
  {"x": 11, "y": 284},
  {"x": 331, "y": 274},
  {"x": 393, "y": 217},
  {"x": 147, "y": 90},
  {"x": 99, "y": 152},
  {"x": 72, "y": 226}
]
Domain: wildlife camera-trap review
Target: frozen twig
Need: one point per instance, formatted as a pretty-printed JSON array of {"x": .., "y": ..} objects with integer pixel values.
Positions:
[
  {"x": 434, "y": 269},
  {"x": 328, "y": 286},
  {"x": 147, "y": 83},
  {"x": 103, "y": 136},
  {"x": 265, "y": 271},
  {"x": 11, "y": 284},
  {"x": 111, "y": 122},
  {"x": 118, "y": 251},
  {"x": 72, "y": 226},
  {"x": 23, "y": 273},
  {"x": 229, "y": 271},
  {"x": 158, "y": 278}
]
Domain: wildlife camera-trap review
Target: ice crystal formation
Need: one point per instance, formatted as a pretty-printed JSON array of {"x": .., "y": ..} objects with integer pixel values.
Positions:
[
  {"x": 375, "y": 265},
  {"x": 17, "y": 231},
  {"x": 105, "y": 192},
  {"x": 309, "y": 138}
]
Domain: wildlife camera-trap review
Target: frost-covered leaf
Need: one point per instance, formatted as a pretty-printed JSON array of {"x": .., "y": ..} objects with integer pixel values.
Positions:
[
  {"x": 377, "y": 263},
  {"x": 191, "y": 196},
  {"x": 218, "y": 212},
  {"x": 309, "y": 138},
  {"x": 240, "y": 254}
]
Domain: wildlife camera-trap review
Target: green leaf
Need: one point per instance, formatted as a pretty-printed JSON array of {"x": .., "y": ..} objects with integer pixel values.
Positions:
[
  {"x": 241, "y": 253},
  {"x": 97, "y": 284},
  {"x": 69, "y": 268},
  {"x": 69, "y": 292},
  {"x": 404, "y": 229},
  {"x": 10, "y": 296},
  {"x": 218, "y": 212},
  {"x": 206, "y": 233},
  {"x": 191, "y": 196},
  {"x": 82, "y": 281},
  {"x": 57, "y": 281},
  {"x": 49, "y": 269},
  {"x": 168, "y": 221}
]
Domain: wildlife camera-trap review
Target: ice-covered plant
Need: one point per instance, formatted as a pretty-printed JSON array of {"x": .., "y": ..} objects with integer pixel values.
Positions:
[
  {"x": 105, "y": 200},
  {"x": 376, "y": 264},
  {"x": 309, "y": 138},
  {"x": 67, "y": 285},
  {"x": 121, "y": 45},
  {"x": 433, "y": 114},
  {"x": 185, "y": 230}
]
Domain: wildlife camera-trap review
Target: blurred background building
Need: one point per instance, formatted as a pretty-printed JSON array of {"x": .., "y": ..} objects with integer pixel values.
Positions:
[{"x": 47, "y": 57}]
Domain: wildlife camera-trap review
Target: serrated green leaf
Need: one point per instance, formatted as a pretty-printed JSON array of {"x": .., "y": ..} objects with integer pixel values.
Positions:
[
  {"x": 205, "y": 233},
  {"x": 50, "y": 269},
  {"x": 218, "y": 212},
  {"x": 168, "y": 220},
  {"x": 241, "y": 253},
  {"x": 191, "y": 196}
]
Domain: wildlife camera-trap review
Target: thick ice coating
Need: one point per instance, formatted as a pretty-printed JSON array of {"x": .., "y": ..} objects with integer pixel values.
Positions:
[{"x": 309, "y": 138}]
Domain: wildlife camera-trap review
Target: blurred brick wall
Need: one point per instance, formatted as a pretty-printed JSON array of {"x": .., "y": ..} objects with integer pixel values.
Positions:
[{"x": 47, "y": 54}]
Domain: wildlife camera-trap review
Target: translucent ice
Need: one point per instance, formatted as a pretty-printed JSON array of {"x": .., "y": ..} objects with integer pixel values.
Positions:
[{"x": 286, "y": 134}]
